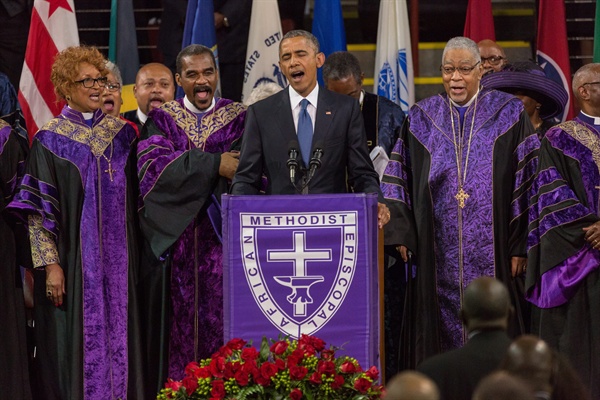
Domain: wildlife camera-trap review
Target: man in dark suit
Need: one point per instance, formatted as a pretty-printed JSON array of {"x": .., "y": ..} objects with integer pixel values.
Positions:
[
  {"x": 485, "y": 312},
  {"x": 271, "y": 133}
]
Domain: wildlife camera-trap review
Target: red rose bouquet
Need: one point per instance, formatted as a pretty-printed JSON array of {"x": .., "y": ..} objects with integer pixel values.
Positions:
[{"x": 286, "y": 369}]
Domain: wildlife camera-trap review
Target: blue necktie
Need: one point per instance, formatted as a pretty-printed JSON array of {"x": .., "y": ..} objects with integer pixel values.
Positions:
[{"x": 305, "y": 131}]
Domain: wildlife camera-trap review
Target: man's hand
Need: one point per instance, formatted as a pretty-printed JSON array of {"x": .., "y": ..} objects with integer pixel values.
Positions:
[
  {"x": 55, "y": 284},
  {"x": 592, "y": 235},
  {"x": 219, "y": 18},
  {"x": 383, "y": 215},
  {"x": 229, "y": 164},
  {"x": 518, "y": 265},
  {"x": 403, "y": 250}
]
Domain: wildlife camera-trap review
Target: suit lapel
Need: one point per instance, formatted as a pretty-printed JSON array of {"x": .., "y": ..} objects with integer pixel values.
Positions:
[
  {"x": 285, "y": 119},
  {"x": 325, "y": 113}
]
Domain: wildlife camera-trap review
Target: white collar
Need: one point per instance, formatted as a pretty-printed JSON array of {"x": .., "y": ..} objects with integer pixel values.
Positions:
[
  {"x": 141, "y": 116},
  {"x": 188, "y": 104},
  {"x": 596, "y": 119},
  {"x": 312, "y": 97},
  {"x": 468, "y": 103},
  {"x": 362, "y": 97}
]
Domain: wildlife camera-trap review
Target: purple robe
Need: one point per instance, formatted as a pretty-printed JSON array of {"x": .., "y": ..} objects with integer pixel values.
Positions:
[
  {"x": 454, "y": 245},
  {"x": 178, "y": 164},
  {"x": 563, "y": 277},
  {"x": 78, "y": 180}
]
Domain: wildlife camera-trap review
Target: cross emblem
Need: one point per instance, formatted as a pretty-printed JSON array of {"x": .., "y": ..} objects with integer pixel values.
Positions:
[
  {"x": 299, "y": 282},
  {"x": 110, "y": 171},
  {"x": 461, "y": 196}
]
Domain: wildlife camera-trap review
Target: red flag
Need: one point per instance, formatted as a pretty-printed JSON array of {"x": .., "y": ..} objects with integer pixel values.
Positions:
[
  {"x": 552, "y": 47},
  {"x": 53, "y": 29},
  {"x": 479, "y": 24}
]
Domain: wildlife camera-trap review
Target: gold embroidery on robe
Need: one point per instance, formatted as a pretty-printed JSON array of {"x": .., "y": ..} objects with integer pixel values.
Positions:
[
  {"x": 3, "y": 123},
  {"x": 585, "y": 136},
  {"x": 43, "y": 247}
]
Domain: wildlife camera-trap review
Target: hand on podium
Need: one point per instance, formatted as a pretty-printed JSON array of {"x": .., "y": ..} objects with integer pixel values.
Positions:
[{"x": 383, "y": 215}]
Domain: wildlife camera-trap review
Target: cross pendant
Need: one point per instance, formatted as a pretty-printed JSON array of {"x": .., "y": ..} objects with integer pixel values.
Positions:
[
  {"x": 110, "y": 171},
  {"x": 461, "y": 196}
]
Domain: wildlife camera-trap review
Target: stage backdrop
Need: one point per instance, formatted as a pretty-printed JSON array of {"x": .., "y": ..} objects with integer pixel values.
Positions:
[{"x": 303, "y": 264}]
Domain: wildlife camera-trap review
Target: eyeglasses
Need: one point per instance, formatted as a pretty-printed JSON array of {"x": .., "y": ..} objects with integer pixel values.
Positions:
[
  {"x": 448, "y": 70},
  {"x": 493, "y": 60},
  {"x": 112, "y": 86},
  {"x": 90, "y": 82}
]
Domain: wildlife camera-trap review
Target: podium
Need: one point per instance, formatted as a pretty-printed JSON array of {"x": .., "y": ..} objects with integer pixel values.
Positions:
[{"x": 303, "y": 264}]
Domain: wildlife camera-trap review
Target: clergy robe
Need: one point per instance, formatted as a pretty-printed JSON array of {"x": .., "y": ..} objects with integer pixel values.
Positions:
[
  {"x": 79, "y": 185},
  {"x": 383, "y": 120},
  {"x": 178, "y": 166},
  {"x": 14, "y": 378},
  {"x": 562, "y": 275},
  {"x": 454, "y": 245}
]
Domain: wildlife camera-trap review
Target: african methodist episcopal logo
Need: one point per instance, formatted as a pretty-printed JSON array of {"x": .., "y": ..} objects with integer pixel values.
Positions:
[{"x": 299, "y": 266}]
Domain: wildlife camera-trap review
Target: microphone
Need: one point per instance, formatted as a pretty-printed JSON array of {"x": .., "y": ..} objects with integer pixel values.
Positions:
[
  {"x": 292, "y": 162},
  {"x": 315, "y": 160}
]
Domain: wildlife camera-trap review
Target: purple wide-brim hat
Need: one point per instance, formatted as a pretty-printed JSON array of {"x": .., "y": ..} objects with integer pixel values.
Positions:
[{"x": 529, "y": 78}]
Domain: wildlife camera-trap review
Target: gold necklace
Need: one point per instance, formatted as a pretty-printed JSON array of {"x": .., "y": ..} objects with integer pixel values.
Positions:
[
  {"x": 461, "y": 195},
  {"x": 110, "y": 170}
]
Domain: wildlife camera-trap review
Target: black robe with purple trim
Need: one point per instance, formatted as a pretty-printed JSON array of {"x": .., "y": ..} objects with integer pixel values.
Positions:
[
  {"x": 14, "y": 378},
  {"x": 454, "y": 245},
  {"x": 178, "y": 166},
  {"x": 87, "y": 347},
  {"x": 563, "y": 278}
]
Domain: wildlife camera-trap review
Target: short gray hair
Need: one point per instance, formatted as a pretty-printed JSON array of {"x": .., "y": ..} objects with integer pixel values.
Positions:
[
  {"x": 312, "y": 39},
  {"x": 461, "y": 42},
  {"x": 262, "y": 91},
  {"x": 112, "y": 67}
]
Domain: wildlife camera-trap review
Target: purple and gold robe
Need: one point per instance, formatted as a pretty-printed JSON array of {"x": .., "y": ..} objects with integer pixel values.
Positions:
[
  {"x": 178, "y": 166},
  {"x": 452, "y": 244},
  {"x": 79, "y": 185},
  {"x": 563, "y": 278}
]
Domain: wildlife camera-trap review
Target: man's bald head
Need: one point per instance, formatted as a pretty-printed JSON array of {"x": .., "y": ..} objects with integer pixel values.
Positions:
[
  {"x": 486, "y": 304},
  {"x": 492, "y": 54},
  {"x": 154, "y": 86},
  {"x": 411, "y": 385},
  {"x": 502, "y": 386},
  {"x": 582, "y": 78},
  {"x": 532, "y": 359}
]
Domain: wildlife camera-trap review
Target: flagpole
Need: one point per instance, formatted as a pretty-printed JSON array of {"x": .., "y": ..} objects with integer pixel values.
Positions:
[{"x": 414, "y": 34}]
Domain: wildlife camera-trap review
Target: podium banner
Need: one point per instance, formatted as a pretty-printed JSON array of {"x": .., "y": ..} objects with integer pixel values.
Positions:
[{"x": 303, "y": 264}]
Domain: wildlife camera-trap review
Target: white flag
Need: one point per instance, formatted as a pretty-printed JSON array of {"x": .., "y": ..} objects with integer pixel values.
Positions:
[
  {"x": 262, "y": 56},
  {"x": 394, "y": 75}
]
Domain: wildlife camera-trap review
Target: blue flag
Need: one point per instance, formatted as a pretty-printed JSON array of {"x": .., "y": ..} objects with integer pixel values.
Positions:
[{"x": 328, "y": 27}]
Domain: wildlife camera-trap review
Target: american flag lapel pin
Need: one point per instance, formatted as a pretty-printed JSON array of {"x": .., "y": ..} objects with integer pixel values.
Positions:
[{"x": 327, "y": 112}]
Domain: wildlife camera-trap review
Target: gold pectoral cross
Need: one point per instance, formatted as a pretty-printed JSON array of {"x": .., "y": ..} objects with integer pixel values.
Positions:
[
  {"x": 461, "y": 196},
  {"x": 110, "y": 171}
]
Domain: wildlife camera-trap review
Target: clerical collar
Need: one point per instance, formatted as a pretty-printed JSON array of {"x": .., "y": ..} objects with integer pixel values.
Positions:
[
  {"x": 455, "y": 104},
  {"x": 361, "y": 98},
  {"x": 141, "y": 116},
  {"x": 86, "y": 116},
  {"x": 188, "y": 104},
  {"x": 589, "y": 119}
]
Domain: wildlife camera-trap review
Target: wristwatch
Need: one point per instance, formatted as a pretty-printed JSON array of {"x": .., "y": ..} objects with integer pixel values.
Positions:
[{"x": 225, "y": 22}]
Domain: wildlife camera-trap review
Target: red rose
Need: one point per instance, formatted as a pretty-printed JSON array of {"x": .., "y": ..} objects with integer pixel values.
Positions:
[
  {"x": 173, "y": 385},
  {"x": 191, "y": 384},
  {"x": 326, "y": 367},
  {"x": 295, "y": 358},
  {"x": 362, "y": 385},
  {"x": 191, "y": 368},
  {"x": 280, "y": 364},
  {"x": 296, "y": 394},
  {"x": 224, "y": 351},
  {"x": 203, "y": 372},
  {"x": 268, "y": 369},
  {"x": 298, "y": 373},
  {"x": 217, "y": 367},
  {"x": 249, "y": 353},
  {"x": 278, "y": 348},
  {"x": 228, "y": 372},
  {"x": 327, "y": 355},
  {"x": 218, "y": 389},
  {"x": 261, "y": 380},
  {"x": 338, "y": 381},
  {"x": 315, "y": 378},
  {"x": 236, "y": 344},
  {"x": 317, "y": 343},
  {"x": 373, "y": 373},
  {"x": 242, "y": 378},
  {"x": 348, "y": 367}
]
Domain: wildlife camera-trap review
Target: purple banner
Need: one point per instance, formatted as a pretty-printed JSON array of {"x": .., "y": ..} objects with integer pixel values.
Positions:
[{"x": 303, "y": 264}]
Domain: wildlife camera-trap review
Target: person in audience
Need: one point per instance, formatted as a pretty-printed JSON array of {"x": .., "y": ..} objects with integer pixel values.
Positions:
[
  {"x": 111, "y": 95},
  {"x": 493, "y": 58},
  {"x": 262, "y": 91},
  {"x": 154, "y": 86},
  {"x": 78, "y": 197},
  {"x": 457, "y": 185},
  {"x": 501, "y": 385},
  {"x": 563, "y": 278},
  {"x": 485, "y": 312},
  {"x": 184, "y": 164},
  {"x": 10, "y": 109},
  {"x": 411, "y": 385},
  {"x": 543, "y": 98}
]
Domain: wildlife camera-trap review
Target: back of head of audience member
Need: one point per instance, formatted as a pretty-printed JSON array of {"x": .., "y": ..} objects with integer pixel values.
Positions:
[
  {"x": 262, "y": 91},
  {"x": 342, "y": 74},
  {"x": 154, "y": 86},
  {"x": 492, "y": 54},
  {"x": 501, "y": 385},
  {"x": 411, "y": 385},
  {"x": 486, "y": 305}
]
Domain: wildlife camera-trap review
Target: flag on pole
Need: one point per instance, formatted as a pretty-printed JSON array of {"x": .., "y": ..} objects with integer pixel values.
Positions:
[
  {"x": 53, "y": 28},
  {"x": 552, "y": 47},
  {"x": 262, "y": 55},
  {"x": 122, "y": 49},
  {"x": 479, "y": 23},
  {"x": 394, "y": 74},
  {"x": 597, "y": 33},
  {"x": 328, "y": 27},
  {"x": 199, "y": 28}
]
